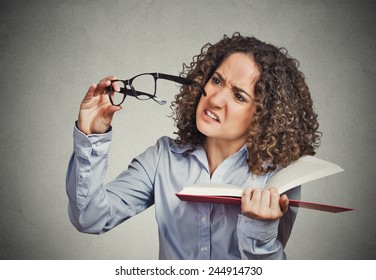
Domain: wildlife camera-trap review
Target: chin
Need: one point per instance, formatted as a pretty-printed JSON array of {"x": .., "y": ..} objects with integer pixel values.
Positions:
[
  {"x": 202, "y": 130},
  {"x": 208, "y": 132}
]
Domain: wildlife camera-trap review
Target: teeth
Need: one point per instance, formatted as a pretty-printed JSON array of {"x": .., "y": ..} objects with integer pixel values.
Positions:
[{"x": 210, "y": 114}]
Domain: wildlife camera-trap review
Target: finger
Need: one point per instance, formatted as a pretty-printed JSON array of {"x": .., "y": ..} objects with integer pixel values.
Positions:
[
  {"x": 246, "y": 196},
  {"x": 103, "y": 84},
  {"x": 110, "y": 78},
  {"x": 265, "y": 199},
  {"x": 246, "y": 206},
  {"x": 89, "y": 94},
  {"x": 274, "y": 201},
  {"x": 112, "y": 110},
  {"x": 102, "y": 87},
  {"x": 256, "y": 198},
  {"x": 107, "y": 80},
  {"x": 109, "y": 114}
]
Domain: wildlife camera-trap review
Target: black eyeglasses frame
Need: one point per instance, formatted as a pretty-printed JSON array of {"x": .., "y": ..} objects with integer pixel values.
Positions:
[{"x": 131, "y": 91}]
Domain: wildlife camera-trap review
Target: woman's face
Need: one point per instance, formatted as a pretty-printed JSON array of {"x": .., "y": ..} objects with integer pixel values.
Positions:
[{"x": 226, "y": 112}]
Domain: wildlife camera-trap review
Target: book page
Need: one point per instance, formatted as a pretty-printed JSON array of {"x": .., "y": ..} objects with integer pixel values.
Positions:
[
  {"x": 305, "y": 169},
  {"x": 213, "y": 189}
]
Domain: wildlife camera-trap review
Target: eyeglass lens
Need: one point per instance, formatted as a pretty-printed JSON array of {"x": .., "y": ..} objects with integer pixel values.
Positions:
[
  {"x": 117, "y": 92},
  {"x": 142, "y": 87}
]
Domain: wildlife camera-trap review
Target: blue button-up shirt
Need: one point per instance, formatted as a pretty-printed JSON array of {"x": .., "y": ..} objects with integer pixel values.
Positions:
[{"x": 187, "y": 230}]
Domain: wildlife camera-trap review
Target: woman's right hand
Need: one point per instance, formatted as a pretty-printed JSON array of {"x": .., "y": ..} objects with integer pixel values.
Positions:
[{"x": 96, "y": 110}]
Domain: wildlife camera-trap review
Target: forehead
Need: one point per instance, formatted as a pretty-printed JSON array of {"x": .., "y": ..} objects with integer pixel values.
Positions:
[{"x": 239, "y": 69}]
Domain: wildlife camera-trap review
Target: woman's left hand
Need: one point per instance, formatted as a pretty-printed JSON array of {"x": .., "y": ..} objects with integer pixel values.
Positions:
[{"x": 264, "y": 204}]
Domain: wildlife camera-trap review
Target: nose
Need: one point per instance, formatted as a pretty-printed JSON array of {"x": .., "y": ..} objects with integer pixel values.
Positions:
[{"x": 218, "y": 98}]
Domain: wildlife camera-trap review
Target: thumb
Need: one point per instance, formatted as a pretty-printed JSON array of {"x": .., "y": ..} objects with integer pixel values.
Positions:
[
  {"x": 284, "y": 203},
  {"x": 113, "y": 109},
  {"x": 109, "y": 114}
]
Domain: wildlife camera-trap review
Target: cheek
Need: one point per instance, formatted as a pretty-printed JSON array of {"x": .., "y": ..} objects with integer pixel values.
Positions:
[
  {"x": 200, "y": 105},
  {"x": 199, "y": 109},
  {"x": 245, "y": 117}
]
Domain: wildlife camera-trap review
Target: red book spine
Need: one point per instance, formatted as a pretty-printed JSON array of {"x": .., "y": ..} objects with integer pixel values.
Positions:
[{"x": 236, "y": 201}]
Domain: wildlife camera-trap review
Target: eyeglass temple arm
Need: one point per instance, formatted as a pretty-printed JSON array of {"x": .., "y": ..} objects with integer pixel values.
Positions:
[{"x": 181, "y": 80}]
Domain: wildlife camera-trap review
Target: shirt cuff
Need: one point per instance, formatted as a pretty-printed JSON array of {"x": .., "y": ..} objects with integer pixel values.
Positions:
[
  {"x": 256, "y": 229},
  {"x": 96, "y": 144}
]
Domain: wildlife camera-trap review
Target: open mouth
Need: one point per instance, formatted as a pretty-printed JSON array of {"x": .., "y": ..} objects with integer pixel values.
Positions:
[{"x": 211, "y": 115}]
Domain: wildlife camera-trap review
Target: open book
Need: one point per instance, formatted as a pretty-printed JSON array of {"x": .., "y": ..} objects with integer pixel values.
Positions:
[{"x": 306, "y": 169}]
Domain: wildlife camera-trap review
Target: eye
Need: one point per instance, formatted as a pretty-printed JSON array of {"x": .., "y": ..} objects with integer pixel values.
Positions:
[
  {"x": 238, "y": 96},
  {"x": 215, "y": 80}
]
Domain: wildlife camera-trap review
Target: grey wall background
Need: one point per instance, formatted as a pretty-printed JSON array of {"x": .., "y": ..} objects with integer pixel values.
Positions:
[{"x": 51, "y": 51}]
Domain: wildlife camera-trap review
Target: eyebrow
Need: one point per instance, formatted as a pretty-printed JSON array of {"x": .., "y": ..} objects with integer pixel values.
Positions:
[{"x": 235, "y": 87}]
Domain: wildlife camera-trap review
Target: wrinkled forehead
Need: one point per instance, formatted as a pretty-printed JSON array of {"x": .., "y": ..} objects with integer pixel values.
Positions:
[{"x": 240, "y": 70}]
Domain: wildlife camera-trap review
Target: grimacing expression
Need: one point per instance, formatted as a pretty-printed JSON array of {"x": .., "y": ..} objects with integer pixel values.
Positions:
[{"x": 227, "y": 111}]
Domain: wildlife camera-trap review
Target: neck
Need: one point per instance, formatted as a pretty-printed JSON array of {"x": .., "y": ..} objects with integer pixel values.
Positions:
[{"x": 217, "y": 151}]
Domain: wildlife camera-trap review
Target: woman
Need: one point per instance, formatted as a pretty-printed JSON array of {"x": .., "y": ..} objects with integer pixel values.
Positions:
[{"x": 256, "y": 117}]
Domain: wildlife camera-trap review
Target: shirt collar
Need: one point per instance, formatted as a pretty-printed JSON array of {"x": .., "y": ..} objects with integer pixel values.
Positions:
[{"x": 181, "y": 149}]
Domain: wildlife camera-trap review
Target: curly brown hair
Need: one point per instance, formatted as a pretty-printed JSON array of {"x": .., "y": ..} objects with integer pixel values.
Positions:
[{"x": 284, "y": 126}]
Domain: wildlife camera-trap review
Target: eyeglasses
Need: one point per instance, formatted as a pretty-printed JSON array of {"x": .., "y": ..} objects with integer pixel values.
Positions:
[{"x": 144, "y": 87}]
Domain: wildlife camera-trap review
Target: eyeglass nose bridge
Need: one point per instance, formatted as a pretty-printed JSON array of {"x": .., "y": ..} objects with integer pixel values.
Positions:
[{"x": 128, "y": 87}]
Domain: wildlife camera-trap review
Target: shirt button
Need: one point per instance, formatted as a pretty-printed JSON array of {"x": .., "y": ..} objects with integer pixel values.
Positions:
[
  {"x": 204, "y": 219},
  {"x": 204, "y": 249},
  {"x": 84, "y": 175},
  {"x": 98, "y": 144}
]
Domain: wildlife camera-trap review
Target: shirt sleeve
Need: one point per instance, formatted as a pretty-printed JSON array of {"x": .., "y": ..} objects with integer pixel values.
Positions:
[
  {"x": 258, "y": 239},
  {"x": 262, "y": 240},
  {"x": 95, "y": 207}
]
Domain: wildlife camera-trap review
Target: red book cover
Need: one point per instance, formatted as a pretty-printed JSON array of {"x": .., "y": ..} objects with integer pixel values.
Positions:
[{"x": 236, "y": 201}]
